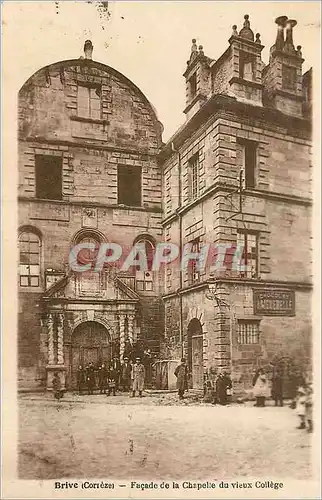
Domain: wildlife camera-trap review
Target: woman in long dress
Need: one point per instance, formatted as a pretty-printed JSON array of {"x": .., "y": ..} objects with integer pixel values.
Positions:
[{"x": 261, "y": 388}]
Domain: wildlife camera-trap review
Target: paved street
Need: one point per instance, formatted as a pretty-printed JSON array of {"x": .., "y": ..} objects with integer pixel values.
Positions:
[{"x": 119, "y": 437}]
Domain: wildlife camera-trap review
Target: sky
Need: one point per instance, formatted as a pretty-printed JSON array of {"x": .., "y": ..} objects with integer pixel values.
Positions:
[{"x": 147, "y": 41}]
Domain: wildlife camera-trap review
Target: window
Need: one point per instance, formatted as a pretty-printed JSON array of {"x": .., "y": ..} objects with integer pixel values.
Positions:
[
  {"x": 193, "y": 272},
  {"x": 193, "y": 165},
  {"x": 144, "y": 279},
  {"x": 246, "y": 155},
  {"x": 288, "y": 78},
  {"x": 129, "y": 185},
  {"x": 29, "y": 259},
  {"x": 89, "y": 102},
  {"x": 51, "y": 277},
  {"x": 246, "y": 66},
  {"x": 193, "y": 85},
  {"x": 248, "y": 331},
  {"x": 48, "y": 177},
  {"x": 85, "y": 255},
  {"x": 249, "y": 241}
]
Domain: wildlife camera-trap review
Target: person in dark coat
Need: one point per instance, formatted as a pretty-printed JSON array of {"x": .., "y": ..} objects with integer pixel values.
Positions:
[
  {"x": 103, "y": 378},
  {"x": 181, "y": 372},
  {"x": 126, "y": 369},
  {"x": 115, "y": 369},
  {"x": 227, "y": 386},
  {"x": 58, "y": 394},
  {"x": 80, "y": 378},
  {"x": 223, "y": 384},
  {"x": 90, "y": 378},
  {"x": 277, "y": 388}
]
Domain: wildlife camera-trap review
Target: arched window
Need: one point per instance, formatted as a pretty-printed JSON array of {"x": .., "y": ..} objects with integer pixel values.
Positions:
[
  {"x": 86, "y": 256},
  {"x": 144, "y": 279},
  {"x": 29, "y": 259}
]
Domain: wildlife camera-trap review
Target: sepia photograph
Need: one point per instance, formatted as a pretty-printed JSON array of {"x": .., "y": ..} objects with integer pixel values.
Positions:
[{"x": 163, "y": 181}]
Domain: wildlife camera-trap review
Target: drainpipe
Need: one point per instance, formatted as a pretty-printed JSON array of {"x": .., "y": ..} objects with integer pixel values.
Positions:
[{"x": 180, "y": 246}]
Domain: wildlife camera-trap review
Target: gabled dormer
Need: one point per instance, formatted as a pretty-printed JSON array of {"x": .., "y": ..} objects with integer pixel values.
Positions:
[
  {"x": 197, "y": 75},
  {"x": 245, "y": 82}
]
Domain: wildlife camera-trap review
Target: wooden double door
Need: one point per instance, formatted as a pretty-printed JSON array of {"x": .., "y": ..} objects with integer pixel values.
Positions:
[{"x": 91, "y": 343}]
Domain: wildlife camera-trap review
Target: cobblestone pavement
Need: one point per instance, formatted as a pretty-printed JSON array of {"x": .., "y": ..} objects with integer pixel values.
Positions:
[{"x": 157, "y": 437}]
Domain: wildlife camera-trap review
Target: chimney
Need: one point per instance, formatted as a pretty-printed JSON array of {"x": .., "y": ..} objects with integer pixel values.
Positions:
[
  {"x": 282, "y": 77},
  {"x": 280, "y": 21},
  {"x": 88, "y": 49},
  {"x": 289, "y": 45}
]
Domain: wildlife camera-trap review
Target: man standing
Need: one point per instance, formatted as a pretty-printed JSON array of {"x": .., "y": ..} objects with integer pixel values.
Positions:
[
  {"x": 80, "y": 379},
  {"x": 115, "y": 372},
  {"x": 90, "y": 378},
  {"x": 102, "y": 378},
  {"x": 277, "y": 387},
  {"x": 58, "y": 393},
  {"x": 181, "y": 372},
  {"x": 126, "y": 374},
  {"x": 137, "y": 377}
]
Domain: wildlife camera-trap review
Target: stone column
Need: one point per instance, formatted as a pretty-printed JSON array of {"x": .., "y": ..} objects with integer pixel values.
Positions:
[
  {"x": 130, "y": 320},
  {"x": 122, "y": 335},
  {"x": 50, "y": 329},
  {"x": 60, "y": 339}
]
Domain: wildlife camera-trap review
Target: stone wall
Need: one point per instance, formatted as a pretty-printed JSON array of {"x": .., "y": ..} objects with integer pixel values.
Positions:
[{"x": 126, "y": 133}]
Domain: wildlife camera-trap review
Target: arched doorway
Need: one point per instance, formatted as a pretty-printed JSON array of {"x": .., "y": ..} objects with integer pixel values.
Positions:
[
  {"x": 195, "y": 353},
  {"x": 91, "y": 343}
]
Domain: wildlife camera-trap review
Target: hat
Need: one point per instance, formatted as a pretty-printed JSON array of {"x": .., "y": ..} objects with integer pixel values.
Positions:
[{"x": 138, "y": 358}]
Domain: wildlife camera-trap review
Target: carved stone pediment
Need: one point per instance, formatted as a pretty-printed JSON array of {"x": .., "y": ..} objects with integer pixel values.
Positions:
[{"x": 91, "y": 285}]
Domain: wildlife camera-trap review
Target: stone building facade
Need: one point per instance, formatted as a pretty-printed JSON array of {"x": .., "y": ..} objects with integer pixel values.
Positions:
[
  {"x": 238, "y": 172},
  {"x": 88, "y": 167},
  {"x": 93, "y": 168}
]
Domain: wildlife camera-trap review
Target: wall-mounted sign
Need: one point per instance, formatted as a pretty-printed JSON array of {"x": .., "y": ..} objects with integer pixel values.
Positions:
[{"x": 270, "y": 302}]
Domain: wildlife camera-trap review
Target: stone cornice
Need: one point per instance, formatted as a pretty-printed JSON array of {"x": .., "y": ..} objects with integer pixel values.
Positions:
[
  {"x": 242, "y": 81},
  {"x": 89, "y": 203},
  {"x": 198, "y": 97},
  {"x": 89, "y": 145},
  {"x": 256, "y": 193},
  {"x": 297, "y": 127},
  {"x": 253, "y": 283}
]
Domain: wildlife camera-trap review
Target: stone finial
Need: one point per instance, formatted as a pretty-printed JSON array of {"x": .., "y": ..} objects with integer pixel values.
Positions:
[
  {"x": 299, "y": 51},
  {"x": 194, "y": 51},
  {"x": 194, "y": 48},
  {"x": 258, "y": 40},
  {"x": 246, "y": 32},
  {"x": 289, "y": 45},
  {"x": 279, "y": 42},
  {"x": 235, "y": 32},
  {"x": 88, "y": 49}
]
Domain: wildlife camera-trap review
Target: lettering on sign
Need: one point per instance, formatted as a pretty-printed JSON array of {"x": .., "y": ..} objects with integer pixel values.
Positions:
[{"x": 274, "y": 302}]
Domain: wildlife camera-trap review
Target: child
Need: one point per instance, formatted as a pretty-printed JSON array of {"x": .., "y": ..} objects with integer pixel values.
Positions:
[
  {"x": 58, "y": 394},
  {"x": 300, "y": 406},
  {"x": 309, "y": 408}
]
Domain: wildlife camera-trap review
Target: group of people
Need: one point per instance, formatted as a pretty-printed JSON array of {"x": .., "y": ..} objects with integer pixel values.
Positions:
[
  {"x": 219, "y": 391},
  {"x": 112, "y": 377}
]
